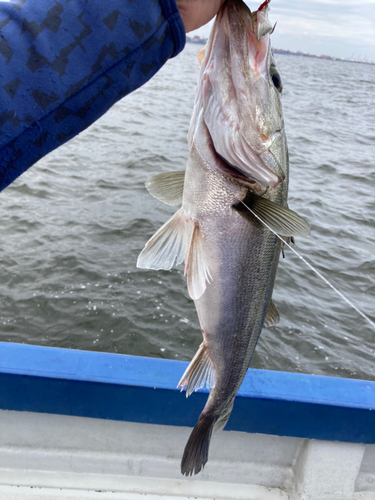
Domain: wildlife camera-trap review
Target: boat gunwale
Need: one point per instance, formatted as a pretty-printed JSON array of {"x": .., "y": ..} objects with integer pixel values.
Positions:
[{"x": 139, "y": 389}]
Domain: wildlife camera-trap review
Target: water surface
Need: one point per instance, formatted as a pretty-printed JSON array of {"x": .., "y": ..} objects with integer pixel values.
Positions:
[{"x": 73, "y": 226}]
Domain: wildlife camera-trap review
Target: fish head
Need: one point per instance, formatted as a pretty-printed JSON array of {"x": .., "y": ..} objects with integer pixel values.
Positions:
[
  {"x": 255, "y": 78},
  {"x": 239, "y": 91}
]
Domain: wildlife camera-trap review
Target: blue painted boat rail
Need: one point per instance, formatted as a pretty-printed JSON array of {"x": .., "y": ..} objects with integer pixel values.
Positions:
[{"x": 138, "y": 389}]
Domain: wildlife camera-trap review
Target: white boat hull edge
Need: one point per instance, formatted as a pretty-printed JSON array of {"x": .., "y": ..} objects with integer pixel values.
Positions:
[{"x": 45, "y": 456}]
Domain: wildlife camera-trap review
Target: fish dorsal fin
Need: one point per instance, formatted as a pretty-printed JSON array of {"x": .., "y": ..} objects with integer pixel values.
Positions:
[
  {"x": 167, "y": 187},
  {"x": 280, "y": 219},
  {"x": 288, "y": 241},
  {"x": 200, "y": 55},
  {"x": 272, "y": 317},
  {"x": 169, "y": 244},
  {"x": 199, "y": 372},
  {"x": 196, "y": 268}
]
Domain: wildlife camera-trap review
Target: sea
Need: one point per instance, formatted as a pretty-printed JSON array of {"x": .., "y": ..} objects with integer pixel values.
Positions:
[{"x": 73, "y": 225}]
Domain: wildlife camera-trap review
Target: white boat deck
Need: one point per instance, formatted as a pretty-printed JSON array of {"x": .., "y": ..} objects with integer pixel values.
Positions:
[{"x": 57, "y": 457}]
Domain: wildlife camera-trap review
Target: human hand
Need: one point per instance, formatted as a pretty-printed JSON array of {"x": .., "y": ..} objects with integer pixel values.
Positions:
[{"x": 196, "y": 13}]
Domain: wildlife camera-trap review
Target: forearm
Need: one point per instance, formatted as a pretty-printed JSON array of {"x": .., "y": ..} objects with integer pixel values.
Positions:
[{"x": 64, "y": 64}]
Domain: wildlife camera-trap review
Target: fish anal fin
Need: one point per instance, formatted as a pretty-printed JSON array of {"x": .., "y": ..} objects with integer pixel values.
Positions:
[
  {"x": 199, "y": 372},
  {"x": 167, "y": 187},
  {"x": 169, "y": 244},
  {"x": 196, "y": 268},
  {"x": 280, "y": 219},
  {"x": 272, "y": 317}
]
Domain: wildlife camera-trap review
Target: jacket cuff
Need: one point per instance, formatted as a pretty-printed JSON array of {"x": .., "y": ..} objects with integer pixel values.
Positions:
[{"x": 172, "y": 15}]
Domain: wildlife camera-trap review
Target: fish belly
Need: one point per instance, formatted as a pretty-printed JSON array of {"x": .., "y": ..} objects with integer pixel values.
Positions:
[
  {"x": 242, "y": 260},
  {"x": 233, "y": 308}
]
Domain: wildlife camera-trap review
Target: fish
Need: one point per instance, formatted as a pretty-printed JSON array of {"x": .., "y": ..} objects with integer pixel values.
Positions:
[{"x": 233, "y": 196}]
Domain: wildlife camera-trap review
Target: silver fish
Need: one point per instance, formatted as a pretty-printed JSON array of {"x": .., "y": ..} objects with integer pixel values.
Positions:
[{"x": 237, "y": 167}]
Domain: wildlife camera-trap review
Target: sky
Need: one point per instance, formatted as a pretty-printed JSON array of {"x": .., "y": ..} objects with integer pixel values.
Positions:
[{"x": 339, "y": 28}]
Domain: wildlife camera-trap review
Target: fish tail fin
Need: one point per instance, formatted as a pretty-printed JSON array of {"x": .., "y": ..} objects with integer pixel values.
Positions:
[{"x": 196, "y": 450}]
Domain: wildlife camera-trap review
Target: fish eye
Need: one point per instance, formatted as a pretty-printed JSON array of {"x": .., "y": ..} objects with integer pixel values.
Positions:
[{"x": 276, "y": 79}]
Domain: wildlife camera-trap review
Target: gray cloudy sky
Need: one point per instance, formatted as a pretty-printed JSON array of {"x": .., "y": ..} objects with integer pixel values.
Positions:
[{"x": 340, "y": 28}]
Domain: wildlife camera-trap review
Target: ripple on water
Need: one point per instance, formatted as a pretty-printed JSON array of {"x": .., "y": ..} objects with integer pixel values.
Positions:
[{"x": 72, "y": 228}]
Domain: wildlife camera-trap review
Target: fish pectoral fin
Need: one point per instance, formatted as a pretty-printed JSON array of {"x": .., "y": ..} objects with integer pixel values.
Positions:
[
  {"x": 167, "y": 187},
  {"x": 280, "y": 219},
  {"x": 272, "y": 317},
  {"x": 196, "y": 268},
  {"x": 169, "y": 244},
  {"x": 199, "y": 372}
]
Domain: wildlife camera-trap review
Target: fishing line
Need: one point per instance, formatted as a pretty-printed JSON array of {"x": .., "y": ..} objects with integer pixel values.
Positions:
[{"x": 313, "y": 269}]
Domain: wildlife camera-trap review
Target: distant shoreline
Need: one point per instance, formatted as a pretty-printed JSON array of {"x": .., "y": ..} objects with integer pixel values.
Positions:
[
  {"x": 202, "y": 41},
  {"x": 328, "y": 58}
]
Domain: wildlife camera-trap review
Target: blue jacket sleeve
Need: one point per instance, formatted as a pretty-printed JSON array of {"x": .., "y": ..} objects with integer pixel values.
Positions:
[{"x": 64, "y": 63}]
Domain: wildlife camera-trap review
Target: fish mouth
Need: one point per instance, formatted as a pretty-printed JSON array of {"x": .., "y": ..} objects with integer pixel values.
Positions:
[{"x": 236, "y": 61}]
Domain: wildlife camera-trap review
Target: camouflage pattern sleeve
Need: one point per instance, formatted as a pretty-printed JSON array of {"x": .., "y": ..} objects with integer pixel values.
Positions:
[{"x": 64, "y": 63}]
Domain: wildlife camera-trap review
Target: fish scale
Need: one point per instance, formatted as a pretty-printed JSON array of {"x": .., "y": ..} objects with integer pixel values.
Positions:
[{"x": 238, "y": 158}]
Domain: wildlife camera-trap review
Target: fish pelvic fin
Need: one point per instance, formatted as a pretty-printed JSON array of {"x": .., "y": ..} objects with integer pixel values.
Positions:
[
  {"x": 167, "y": 187},
  {"x": 280, "y": 219},
  {"x": 178, "y": 240},
  {"x": 272, "y": 317},
  {"x": 169, "y": 244},
  {"x": 196, "y": 450},
  {"x": 199, "y": 372},
  {"x": 196, "y": 268}
]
